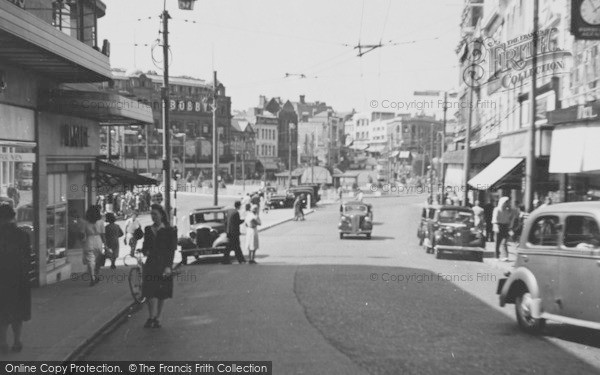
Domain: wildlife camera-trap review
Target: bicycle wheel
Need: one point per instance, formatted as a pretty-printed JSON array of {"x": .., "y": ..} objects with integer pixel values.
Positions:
[{"x": 135, "y": 284}]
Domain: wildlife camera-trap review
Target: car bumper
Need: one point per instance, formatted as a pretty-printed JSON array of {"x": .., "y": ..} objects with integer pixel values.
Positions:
[
  {"x": 458, "y": 249},
  {"x": 345, "y": 231}
]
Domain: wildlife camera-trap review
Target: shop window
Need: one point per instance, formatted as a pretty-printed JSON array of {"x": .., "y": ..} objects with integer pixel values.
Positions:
[{"x": 56, "y": 220}]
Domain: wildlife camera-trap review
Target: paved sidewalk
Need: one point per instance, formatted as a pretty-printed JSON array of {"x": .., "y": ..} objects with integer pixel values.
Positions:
[
  {"x": 66, "y": 315},
  {"x": 498, "y": 264}
]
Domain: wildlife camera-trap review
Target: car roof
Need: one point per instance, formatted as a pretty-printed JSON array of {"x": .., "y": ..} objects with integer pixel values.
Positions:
[
  {"x": 448, "y": 207},
  {"x": 355, "y": 203},
  {"x": 586, "y": 206}
]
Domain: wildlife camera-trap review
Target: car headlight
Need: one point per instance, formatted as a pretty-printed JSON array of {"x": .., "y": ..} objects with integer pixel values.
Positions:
[{"x": 367, "y": 219}]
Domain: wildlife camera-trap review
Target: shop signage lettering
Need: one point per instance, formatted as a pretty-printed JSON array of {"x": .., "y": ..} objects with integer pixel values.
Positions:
[
  {"x": 74, "y": 136},
  {"x": 584, "y": 112},
  {"x": 25, "y": 157},
  {"x": 188, "y": 106},
  {"x": 19, "y": 3}
]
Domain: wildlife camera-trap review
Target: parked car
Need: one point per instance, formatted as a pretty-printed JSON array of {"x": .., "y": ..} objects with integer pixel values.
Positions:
[
  {"x": 206, "y": 224},
  {"x": 451, "y": 229},
  {"x": 310, "y": 191},
  {"x": 356, "y": 218},
  {"x": 556, "y": 274},
  {"x": 281, "y": 200}
]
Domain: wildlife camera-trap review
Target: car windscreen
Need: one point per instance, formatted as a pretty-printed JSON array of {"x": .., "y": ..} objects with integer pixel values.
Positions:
[
  {"x": 455, "y": 217},
  {"x": 203, "y": 217},
  {"x": 355, "y": 209}
]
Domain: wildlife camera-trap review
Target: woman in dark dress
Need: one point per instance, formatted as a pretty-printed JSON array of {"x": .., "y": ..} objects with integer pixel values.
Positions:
[
  {"x": 160, "y": 243},
  {"x": 15, "y": 290}
]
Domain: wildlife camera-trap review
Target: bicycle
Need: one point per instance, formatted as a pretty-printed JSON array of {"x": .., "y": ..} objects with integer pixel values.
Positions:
[{"x": 135, "y": 277}]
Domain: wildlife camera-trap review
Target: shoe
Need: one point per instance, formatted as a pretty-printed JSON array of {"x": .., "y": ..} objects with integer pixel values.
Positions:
[
  {"x": 17, "y": 348},
  {"x": 155, "y": 323},
  {"x": 226, "y": 262},
  {"x": 504, "y": 259},
  {"x": 243, "y": 262},
  {"x": 252, "y": 262},
  {"x": 112, "y": 267},
  {"x": 149, "y": 323}
]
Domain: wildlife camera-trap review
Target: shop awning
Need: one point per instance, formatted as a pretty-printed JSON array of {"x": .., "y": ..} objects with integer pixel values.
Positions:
[
  {"x": 494, "y": 174},
  {"x": 575, "y": 150},
  {"x": 269, "y": 165},
  {"x": 394, "y": 154},
  {"x": 404, "y": 155},
  {"x": 376, "y": 148},
  {"x": 106, "y": 108},
  {"x": 359, "y": 147},
  {"x": 110, "y": 176}
]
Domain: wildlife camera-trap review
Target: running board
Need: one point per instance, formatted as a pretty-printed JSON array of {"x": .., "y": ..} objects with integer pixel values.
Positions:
[{"x": 571, "y": 321}]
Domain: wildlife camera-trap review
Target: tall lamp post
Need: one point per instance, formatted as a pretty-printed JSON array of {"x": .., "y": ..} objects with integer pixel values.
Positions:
[
  {"x": 184, "y": 5},
  {"x": 184, "y": 136},
  {"x": 291, "y": 126}
]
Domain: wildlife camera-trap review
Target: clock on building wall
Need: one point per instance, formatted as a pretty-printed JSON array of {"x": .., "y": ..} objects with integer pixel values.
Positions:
[{"x": 585, "y": 19}]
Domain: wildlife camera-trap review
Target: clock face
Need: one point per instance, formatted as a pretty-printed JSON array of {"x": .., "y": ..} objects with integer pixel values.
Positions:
[{"x": 590, "y": 11}]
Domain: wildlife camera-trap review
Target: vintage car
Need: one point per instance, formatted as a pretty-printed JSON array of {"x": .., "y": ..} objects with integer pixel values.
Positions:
[
  {"x": 281, "y": 200},
  {"x": 356, "y": 218},
  {"x": 556, "y": 274},
  {"x": 310, "y": 191},
  {"x": 206, "y": 224},
  {"x": 451, "y": 229}
]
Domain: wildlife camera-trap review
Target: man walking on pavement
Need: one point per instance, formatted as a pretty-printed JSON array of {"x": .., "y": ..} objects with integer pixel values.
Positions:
[
  {"x": 503, "y": 218},
  {"x": 233, "y": 234}
]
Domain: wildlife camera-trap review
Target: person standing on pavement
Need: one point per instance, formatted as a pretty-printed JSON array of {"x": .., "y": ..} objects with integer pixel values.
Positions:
[
  {"x": 233, "y": 234},
  {"x": 160, "y": 243},
  {"x": 246, "y": 200},
  {"x": 132, "y": 226},
  {"x": 252, "y": 221},
  {"x": 15, "y": 289},
  {"x": 479, "y": 216},
  {"x": 488, "y": 211},
  {"x": 93, "y": 242},
  {"x": 112, "y": 232},
  {"x": 502, "y": 219}
]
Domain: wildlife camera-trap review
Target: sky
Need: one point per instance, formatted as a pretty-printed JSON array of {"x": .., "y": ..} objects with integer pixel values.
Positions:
[{"x": 253, "y": 44}]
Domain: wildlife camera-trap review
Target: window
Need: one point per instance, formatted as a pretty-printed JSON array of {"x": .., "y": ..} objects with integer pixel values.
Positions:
[
  {"x": 62, "y": 16},
  {"x": 581, "y": 232},
  {"x": 545, "y": 231}
]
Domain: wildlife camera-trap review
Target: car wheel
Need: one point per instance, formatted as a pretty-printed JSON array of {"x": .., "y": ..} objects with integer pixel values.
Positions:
[
  {"x": 480, "y": 257},
  {"x": 341, "y": 236},
  {"x": 523, "y": 311},
  {"x": 369, "y": 236},
  {"x": 420, "y": 240},
  {"x": 184, "y": 259},
  {"x": 438, "y": 254}
]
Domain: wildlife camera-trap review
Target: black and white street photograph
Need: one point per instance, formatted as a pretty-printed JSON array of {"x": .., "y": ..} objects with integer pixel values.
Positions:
[{"x": 310, "y": 187}]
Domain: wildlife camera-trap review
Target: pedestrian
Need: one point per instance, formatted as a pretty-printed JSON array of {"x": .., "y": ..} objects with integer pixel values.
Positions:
[
  {"x": 93, "y": 242},
  {"x": 133, "y": 229},
  {"x": 233, "y": 234},
  {"x": 263, "y": 203},
  {"x": 246, "y": 200},
  {"x": 15, "y": 289},
  {"x": 252, "y": 221},
  {"x": 297, "y": 207},
  {"x": 112, "y": 232},
  {"x": 478, "y": 216},
  {"x": 488, "y": 210},
  {"x": 502, "y": 219},
  {"x": 13, "y": 193},
  {"x": 160, "y": 243},
  {"x": 340, "y": 192}
]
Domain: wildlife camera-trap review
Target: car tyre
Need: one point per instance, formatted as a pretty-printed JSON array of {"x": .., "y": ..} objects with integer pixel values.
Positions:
[
  {"x": 438, "y": 254},
  {"x": 420, "y": 240},
  {"x": 480, "y": 257},
  {"x": 341, "y": 236},
  {"x": 368, "y": 236},
  {"x": 184, "y": 259},
  {"x": 523, "y": 311}
]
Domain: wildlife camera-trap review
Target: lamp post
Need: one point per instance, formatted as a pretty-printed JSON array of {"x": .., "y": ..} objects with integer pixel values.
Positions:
[
  {"x": 184, "y": 136},
  {"x": 184, "y": 5},
  {"x": 147, "y": 151},
  {"x": 137, "y": 152},
  {"x": 290, "y": 128}
]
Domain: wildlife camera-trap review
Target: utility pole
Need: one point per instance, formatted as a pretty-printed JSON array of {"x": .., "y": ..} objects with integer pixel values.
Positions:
[
  {"x": 147, "y": 151},
  {"x": 467, "y": 158},
  {"x": 530, "y": 167},
  {"x": 215, "y": 143},
  {"x": 165, "y": 116},
  {"x": 290, "y": 154},
  {"x": 109, "y": 141},
  {"x": 443, "y": 145}
]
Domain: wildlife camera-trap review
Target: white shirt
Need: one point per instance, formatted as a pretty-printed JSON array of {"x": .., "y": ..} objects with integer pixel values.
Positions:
[{"x": 132, "y": 225}]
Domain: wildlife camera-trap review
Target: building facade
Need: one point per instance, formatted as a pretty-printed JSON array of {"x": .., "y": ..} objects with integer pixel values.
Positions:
[{"x": 50, "y": 126}]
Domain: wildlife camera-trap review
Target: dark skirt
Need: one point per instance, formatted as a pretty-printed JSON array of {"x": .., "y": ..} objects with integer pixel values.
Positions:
[{"x": 155, "y": 285}]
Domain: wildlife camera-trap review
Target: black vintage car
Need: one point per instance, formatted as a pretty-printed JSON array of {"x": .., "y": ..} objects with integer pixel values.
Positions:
[
  {"x": 206, "y": 225},
  {"x": 281, "y": 200},
  {"x": 451, "y": 229}
]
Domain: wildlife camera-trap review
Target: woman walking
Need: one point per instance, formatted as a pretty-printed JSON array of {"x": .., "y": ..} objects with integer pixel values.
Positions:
[
  {"x": 15, "y": 290},
  {"x": 132, "y": 226},
  {"x": 113, "y": 232},
  {"x": 252, "y": 221},
  {"x": 160, "y": 243},
  {"x": 93, "y": 242}
]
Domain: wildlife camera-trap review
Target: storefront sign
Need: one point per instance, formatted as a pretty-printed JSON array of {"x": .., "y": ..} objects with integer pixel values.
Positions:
[
  {"x": 187, "y": 106},
  {"x": 574, "y": 113},
  {"x": 584, "y": 112},
  {"x": 74, "y": 136},
  {"x": 25, "y": 157}
]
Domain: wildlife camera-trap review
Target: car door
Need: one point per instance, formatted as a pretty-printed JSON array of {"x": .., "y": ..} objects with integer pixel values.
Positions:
[
  {"x": 540, "y": 256},
  {"x": 579, "y": 268}
]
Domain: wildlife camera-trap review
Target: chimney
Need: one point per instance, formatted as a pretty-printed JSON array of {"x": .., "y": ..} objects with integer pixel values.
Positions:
[
  {"x": 262, "y": 101},
  {"x": 302, "y": 99}
]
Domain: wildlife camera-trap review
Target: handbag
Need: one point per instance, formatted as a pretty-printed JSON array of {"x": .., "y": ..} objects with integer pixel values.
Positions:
[{"x": 138, "y": 234}]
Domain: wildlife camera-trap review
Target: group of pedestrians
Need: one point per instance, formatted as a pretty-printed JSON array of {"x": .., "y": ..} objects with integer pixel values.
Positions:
[{"x": 251, "y": 221}]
